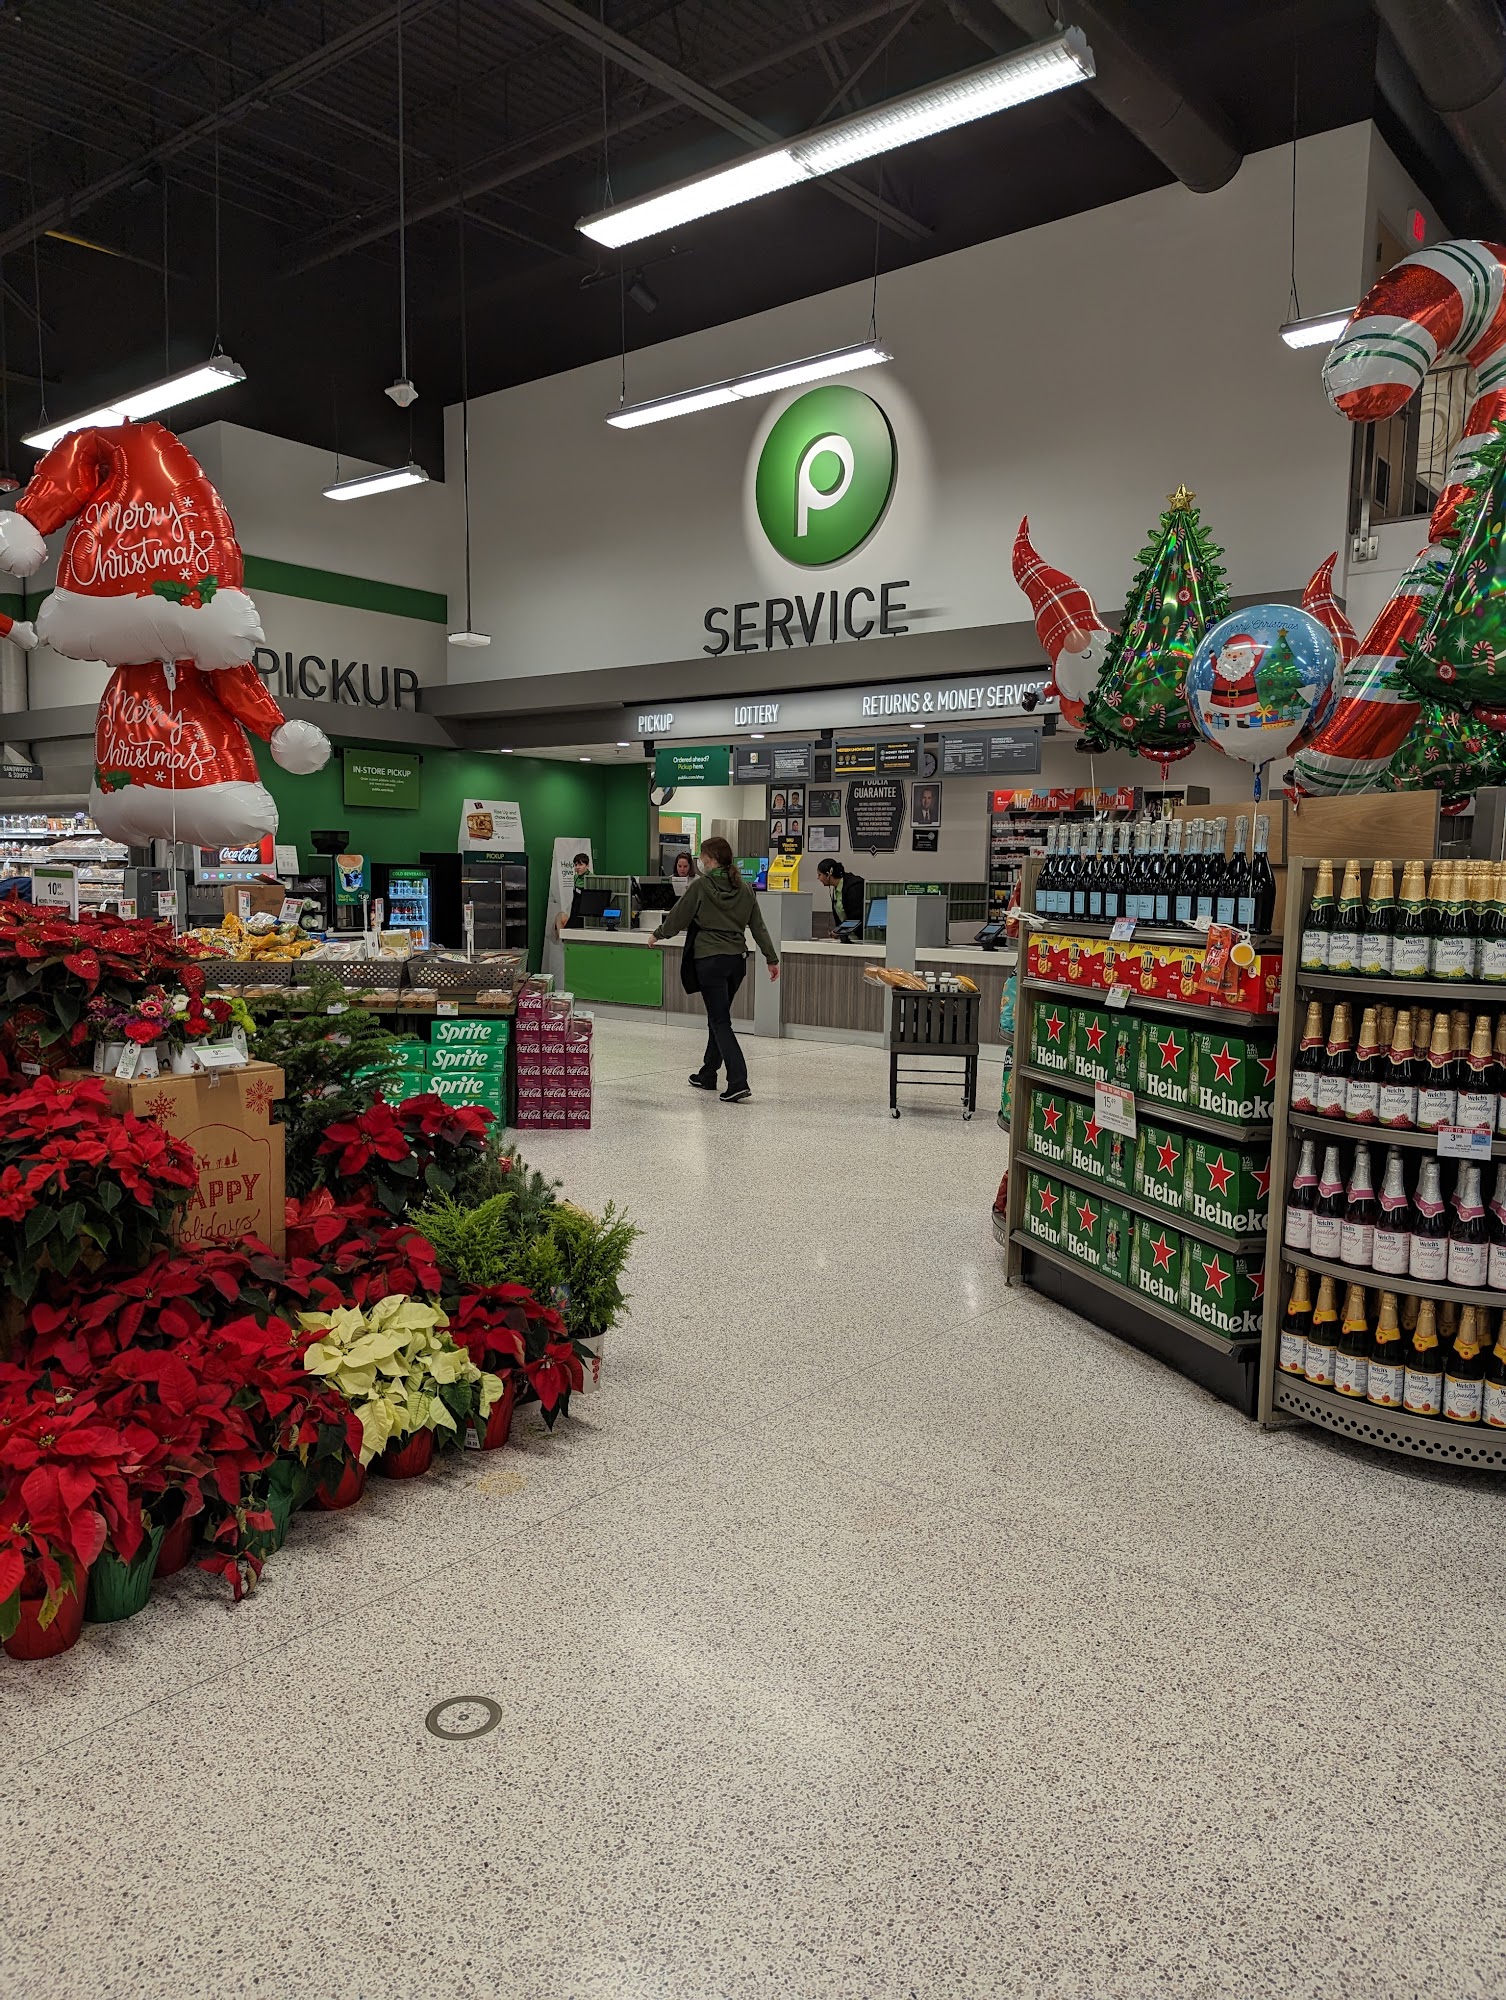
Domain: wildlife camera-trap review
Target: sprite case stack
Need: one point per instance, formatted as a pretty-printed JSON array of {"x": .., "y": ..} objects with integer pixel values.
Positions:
[{"x": 468, "y": 1063}]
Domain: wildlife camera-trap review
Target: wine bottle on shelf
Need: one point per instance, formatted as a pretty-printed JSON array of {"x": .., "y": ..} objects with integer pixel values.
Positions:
[
  {"x": 1422, "y": 1036},
  {"x": 1409, "y": 1304},
  {"x": 1495, "y": 1229},
  {"x": 1328, "y": 1209},
  {"x": 1412, "y": 939},
  {"x": 1079, "y": 908},
  {"x": 1363, "y": 1088},
  {"x": 1493, "y": 1402},
  {"x": 1458, "y": 1049},
  {"x": 1479, "y": 913},
  {"x": 1464, "y": 1371},
  {"x": 1307, "y": 1064},
  {"x": 1392, "y": 1245},
  {"x": 1475, "y": 1108},
  {"x": 1361, "y": 1213},
  {"x": 1422, "y": 1384},
  {"x": 1437, "y": 1098},
  {"x": 1492, "y": 967},
  {"x": 1226, "y": 902},
  {"x": 1387, "y": 1384},
  {"x": 1427, "y": 1255},
  {"x": 1351, "y": 1359},
  {"x": 1380, "y": 923},
  {"x": 1292, "y": 1354},
  {"x": 1213, "y": 872},
  {"x": 1385, "y": 1021},
  {"x": 1344, "y": 942},
  {"x": 1094, "y": 875},
  {"x": 1468, "y": 1236},
  {"x": 1398, "y": 1091},
  {"x": 1258, "y": 910},
  {"x": 1453, "y": 954},
  {"x": 1302, "y": 1199},
  {"x": 1338, "y": 1059},
  {"x": 1160, "y": 875},
  {"x": 1318, "y": 926},
  {"x": 1174, "y": 835},
  {"x": 1192, "y": 861},
  {"x": 1448, "y": 1321},
  {"x": 1322, "y": 1337}
]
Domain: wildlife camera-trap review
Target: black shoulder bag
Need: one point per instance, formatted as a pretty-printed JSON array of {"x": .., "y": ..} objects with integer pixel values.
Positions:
[{"x": 690, "y": 979}]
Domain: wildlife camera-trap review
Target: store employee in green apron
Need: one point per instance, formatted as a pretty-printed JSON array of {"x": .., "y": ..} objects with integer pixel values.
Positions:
[{"x": 846, "y": 899}]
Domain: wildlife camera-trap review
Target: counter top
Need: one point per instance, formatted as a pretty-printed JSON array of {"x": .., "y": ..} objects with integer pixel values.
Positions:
[
  {"x": 617, "y": 937},
  {"x": 965, "y": 954},
  {"x": 828, "y": 947}
]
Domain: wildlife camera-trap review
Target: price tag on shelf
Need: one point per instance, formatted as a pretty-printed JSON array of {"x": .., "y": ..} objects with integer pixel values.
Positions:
[
  {"x": 1122, "y": 928},
  {"x": 291, "y": 911},
  {"x": 1117, "y": 996},
  {"x": 336, "y": 1007},
  {"x": 447, "y": 1007},
  {"x": 1114, "y": 1108},
  {"x": 167, "y": 902},
  {"x": 1455, "y": 1142},
  {"x": 125, "y": 908}
]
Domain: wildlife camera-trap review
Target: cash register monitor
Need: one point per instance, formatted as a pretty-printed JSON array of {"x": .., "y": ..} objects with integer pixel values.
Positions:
[
  {"x": 594, "y": 904},
  {"x": 657, "y": 895},
  {"x": 877, "y": 918}
]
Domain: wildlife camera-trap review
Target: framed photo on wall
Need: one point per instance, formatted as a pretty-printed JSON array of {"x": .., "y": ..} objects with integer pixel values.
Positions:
[
  {"x": 824, "y": 839},
  {"x": 925, "y": 805},
  {"x": 825, "y": 804},
  {"x": 794, "y": 827},
  {"x": 795, "y": 799},
  {"x": 777, "y": 829}
]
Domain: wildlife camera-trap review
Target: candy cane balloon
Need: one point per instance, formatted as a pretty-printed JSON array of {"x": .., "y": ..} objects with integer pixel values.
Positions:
[
  {"x": 1067, "y": 624},
  {"x": 1318, "y": 598},
  {"x": 1444, "y": 302}
]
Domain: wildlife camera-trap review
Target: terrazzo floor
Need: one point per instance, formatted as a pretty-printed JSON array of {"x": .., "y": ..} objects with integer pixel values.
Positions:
[{"x": 874, "y": 1632}]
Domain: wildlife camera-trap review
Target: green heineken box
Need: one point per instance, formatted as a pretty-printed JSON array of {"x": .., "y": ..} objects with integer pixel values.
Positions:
[
  {"x": 1105, "y": 1047},
  {"x": 485, "y": 1089},
  {"x": 1161, "y": 1166},
  {"x": 1157, "y": 1266},
  {"x": 1164, "y": 1067},
  {"x": 1232, "y": 1077},
  {"x": 1118, "y": 1161},
  {"x": 1115, "y": 1237},
  {"x": 469, "y": 1035},
  {"x": 467, "y": 1061},
  {"x": 1050, "y": 1033},
  {"x": 1225, "y": 1187},
  {"x": 1082, "y": 1224},
  {"x": 1049, "y": 1118},
  {"x": 1043, "y": 1208},
  {"x": 1223, "y": 1291},
  {"x": 1087, "y": 1141}
]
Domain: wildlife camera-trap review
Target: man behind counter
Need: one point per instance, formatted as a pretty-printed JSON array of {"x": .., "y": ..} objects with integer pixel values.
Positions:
[
  {"x": 572, "y": 919},
  {"x": 846, "y": 899}
]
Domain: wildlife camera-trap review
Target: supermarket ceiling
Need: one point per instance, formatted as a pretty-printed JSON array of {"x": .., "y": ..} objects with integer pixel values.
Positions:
[{"x": 119, "y": 119}]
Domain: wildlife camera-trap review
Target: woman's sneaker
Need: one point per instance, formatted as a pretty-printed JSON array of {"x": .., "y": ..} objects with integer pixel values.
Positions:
[
  {"x": 698, "y": 1082},
  {"x": 738, "y": 1096}
]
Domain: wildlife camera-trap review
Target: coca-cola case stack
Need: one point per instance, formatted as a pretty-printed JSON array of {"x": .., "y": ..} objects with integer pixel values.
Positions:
[{"x": 554, "y": 1061}]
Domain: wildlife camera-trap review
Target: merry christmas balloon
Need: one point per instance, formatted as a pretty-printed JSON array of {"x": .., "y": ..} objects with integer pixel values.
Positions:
[
  {"x": 1067, "y": 624},
  {"x": 1256, "y": 679},
  {"x": 1140, "y": 702},
  {"x": 151, "y": 581}
]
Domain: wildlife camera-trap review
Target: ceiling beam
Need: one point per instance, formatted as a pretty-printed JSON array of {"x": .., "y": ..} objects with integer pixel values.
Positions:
[
  {"x": 595, "y": 35},
  {"x": 65, "y": 208}
]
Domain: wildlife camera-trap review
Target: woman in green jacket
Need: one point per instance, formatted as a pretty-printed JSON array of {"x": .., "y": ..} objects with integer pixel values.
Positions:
[{"x": 722, "y": 909}]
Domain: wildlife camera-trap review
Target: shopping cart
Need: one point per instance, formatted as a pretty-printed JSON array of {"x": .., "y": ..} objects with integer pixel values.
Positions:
[{"x": 942, "y": 1030}]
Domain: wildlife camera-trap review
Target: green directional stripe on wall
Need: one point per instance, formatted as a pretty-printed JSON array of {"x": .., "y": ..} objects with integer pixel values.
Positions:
[{"x": 362, "y": 593}]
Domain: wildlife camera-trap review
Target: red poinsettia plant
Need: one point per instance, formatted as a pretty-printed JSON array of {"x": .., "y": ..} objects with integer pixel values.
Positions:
[
  {"x": 81, "y": 1183},
  {"x": 396, "y": 1155},
  {"x": 53, "y": 965}
]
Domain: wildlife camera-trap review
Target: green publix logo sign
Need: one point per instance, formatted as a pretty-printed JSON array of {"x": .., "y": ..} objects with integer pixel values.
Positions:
[{"x": 824, "y": 480}]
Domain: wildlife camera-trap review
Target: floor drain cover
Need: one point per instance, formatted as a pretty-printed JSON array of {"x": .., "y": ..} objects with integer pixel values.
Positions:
[{"x": 462, "y": 1716}]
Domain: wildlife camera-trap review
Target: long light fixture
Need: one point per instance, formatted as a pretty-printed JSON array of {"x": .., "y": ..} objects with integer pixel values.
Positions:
[
  {"x": 739, "y": 388},
  {"x": 386, "y": 481},
  {"x": 1319, "y": 330},
  {"x": 220, "y": 372},
  {"x": 940, "y": 107}
]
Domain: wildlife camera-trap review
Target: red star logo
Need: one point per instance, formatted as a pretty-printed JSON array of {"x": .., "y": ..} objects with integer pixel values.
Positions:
[
  {"x": 1051, "y": 1116},
  {"x": 1054, "y": 1026},
  {"x": 1219, "y": 1176},
  {"x": 1268, "y": 1066},
  {"x": 1170, "y": 1049},
  {"x": 1214, "y": 1275},
  {"x": 1095, "y": 1038},
  {"x": 1092, "y": 1131},
  {"x": 1262, "y": 1180},
  {"x": 1049, "y": 1199},
  {"x": 1224, "y": 1065},
  {"x": 1257, "y": 1279},
  {"x": 1167, "y": 1154},
  {"x": 1087, "y": 1216},
  {"x": 1162, "y": 1251}
]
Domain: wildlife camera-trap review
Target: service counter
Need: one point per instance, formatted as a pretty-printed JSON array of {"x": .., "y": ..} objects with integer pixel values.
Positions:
[{"x": 626, "y": 969}]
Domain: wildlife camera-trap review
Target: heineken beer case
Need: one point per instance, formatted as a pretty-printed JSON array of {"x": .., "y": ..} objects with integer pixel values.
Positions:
[
  {"x": 1049, "y": 1118},
  {"x": 1082, "y": 1224},
  {"x": 1223, "y": 1291},
  {"x": 1225, "y": 1187},
  {"x": 1157, "y": 1266},
  {"x": 1043, "y": 1208},
  {"x": 1105, "y": 1046},
  {"x": 1115, "y": 1234},
  {"x": 1161, "y": 1166},
  {"x": 1232, "y": 1076},
  {"x": 1164, "y": 1067},
  {"x": 1050, "y": 1034},
  {"x": 1087, "y": 1141}
]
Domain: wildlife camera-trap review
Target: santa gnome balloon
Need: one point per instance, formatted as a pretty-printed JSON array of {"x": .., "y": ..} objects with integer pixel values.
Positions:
[
  {"x": 151, "y": 582},
  {"x": 1066, "y": 623}
]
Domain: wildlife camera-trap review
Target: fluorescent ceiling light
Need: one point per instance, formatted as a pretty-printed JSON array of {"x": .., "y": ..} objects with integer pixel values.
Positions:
[
  {"x": 1319, "y": 331},
  {"x": 470, "y": 638},
  {"x": 940, "y": 107},
  {"x": 740, "y": 388},
  {"x": 377, "y": 482},
  {"x": 219, "y": 373}
]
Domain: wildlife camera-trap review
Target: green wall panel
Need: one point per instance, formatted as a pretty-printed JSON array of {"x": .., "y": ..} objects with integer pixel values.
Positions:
[{"x": 632, "y": 975}]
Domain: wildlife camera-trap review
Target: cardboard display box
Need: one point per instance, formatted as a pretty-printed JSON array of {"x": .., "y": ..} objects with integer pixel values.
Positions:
[
  {"x": 1222, "y": 1291},
  {"x": 1043, "y": 1208},
  {"x": 1049, "y": 1115},
  {"x": 1226, "y": 1186},
  {"x": 226, "y": 1116}
]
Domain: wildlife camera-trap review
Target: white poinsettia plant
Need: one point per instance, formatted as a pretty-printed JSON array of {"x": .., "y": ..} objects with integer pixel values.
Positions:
[{"x": 396, "y": 1364}]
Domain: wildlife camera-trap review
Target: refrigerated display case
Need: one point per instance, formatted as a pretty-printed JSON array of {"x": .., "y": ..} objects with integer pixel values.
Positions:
[
  {"x": 496, "y": 888},
  {"x": 407, "y": 891}
]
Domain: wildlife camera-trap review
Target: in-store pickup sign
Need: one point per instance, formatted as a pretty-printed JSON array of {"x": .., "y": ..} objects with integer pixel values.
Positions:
[
  {"x": 689, "y": 764},
  {"x": 383, "y": 778}
]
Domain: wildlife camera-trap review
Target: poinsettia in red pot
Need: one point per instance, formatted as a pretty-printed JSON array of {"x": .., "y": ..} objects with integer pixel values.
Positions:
[
  {"x": 398, "y": 1155},
  {"x": 343, "y": 1489},
  {"x": 407, "y": 1458},
  {"x": 43, "y": 1623}
]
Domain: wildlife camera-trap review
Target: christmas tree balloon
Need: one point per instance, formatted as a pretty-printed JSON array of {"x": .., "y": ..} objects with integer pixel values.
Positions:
[
  {"x": 1446, "y": 750},
  {"x": 1459, "y": 656},
  {"x": 1140, "y": 702}
]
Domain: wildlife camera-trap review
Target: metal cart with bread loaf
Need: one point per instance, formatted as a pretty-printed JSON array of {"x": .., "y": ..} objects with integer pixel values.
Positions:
[{"x": 933, "y": 1027}]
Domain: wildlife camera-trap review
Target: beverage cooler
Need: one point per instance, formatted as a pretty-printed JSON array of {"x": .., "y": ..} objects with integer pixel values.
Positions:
[
  {"x": 495, "y": 886},
  {"x": 408, "y": 894}
]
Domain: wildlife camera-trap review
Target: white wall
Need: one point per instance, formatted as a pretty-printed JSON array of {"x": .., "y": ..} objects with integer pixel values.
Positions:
[{"x": 1077, "y": 372}]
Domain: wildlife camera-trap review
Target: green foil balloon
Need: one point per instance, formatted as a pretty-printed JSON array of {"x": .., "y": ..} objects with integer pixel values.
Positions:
[{"x": 1459, "y": 656}]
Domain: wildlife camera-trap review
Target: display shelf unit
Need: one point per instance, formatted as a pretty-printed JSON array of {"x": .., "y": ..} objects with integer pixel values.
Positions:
[
  {"x": 1229, "y": 1368},
  {"x": 1171, "y": 1114},
  {"x": 1173, "y": 934},
  {"x": 1286, "y": 1396}
]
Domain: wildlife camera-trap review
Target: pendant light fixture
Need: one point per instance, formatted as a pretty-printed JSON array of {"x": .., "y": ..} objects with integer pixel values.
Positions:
[
  {"x": 740, "y": 388},
  {"x": 940, "y": 107},
  {"x": 468, "y": 635}
]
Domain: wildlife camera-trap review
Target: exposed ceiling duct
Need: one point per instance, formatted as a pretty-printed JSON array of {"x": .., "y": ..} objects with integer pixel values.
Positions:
[
  {"x": 1456, "y": 49},
  {"x": 1195, "y": 143}
]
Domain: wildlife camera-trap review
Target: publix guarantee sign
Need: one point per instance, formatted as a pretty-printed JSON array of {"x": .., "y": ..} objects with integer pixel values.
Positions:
[{"x": 824, "y": 478}]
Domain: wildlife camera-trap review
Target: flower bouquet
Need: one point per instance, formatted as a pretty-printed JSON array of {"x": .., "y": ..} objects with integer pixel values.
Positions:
[{"x": 52, "y": 966}]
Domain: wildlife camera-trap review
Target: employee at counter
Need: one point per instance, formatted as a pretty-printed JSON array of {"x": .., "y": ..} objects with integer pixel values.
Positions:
[
  {"x": 846, "y": 898},
  {"x": 573, "y": 919}
]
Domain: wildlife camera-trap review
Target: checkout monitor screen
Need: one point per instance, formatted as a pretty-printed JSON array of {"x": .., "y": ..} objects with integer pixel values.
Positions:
[
  {"x": 658, "y": 895},
  {"x": 878, "y": 915},
  {"x": 235, "y": 864}
]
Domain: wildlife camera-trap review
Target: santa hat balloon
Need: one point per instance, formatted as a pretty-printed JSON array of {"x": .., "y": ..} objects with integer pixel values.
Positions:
[
  {"x": 1066, "y": 623},
  {"x": 151, "y": 581}
]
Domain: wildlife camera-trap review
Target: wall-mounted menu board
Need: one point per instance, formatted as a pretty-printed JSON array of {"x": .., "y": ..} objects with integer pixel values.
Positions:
[{"x": 860, "y": 757}]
